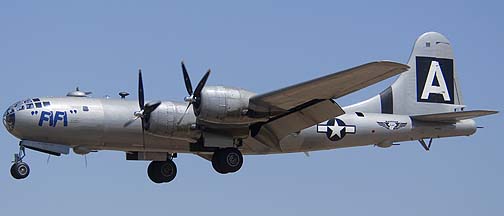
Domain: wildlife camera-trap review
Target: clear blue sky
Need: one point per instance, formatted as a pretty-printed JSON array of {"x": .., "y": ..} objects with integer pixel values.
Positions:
[{"x": 49, "y": 47}]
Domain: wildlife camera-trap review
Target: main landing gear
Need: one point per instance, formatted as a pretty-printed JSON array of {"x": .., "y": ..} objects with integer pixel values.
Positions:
[
  {"x": 19, "y": 169},
  {"x": 162, "y": 171},
  {"x": 227, "y": 160}
]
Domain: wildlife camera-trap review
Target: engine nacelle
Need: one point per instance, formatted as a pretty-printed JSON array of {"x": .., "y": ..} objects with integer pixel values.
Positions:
[
  {"x": 224, "y": 105},
  {"x": 168, "y": 120}
]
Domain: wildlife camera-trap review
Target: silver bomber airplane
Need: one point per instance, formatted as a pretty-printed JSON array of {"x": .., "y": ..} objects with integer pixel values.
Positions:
[{"x": 222, "y": 123}]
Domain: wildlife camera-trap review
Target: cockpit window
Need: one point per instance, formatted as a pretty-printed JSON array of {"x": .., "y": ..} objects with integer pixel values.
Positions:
[
  {"x": 18, "y": 104},
  {"x": 19, "y": 108},
  {"x": 28, "y": 104}
]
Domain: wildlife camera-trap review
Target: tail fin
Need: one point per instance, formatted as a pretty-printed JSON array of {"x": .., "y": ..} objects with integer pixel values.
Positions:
[{"x": 430, "y": 85}]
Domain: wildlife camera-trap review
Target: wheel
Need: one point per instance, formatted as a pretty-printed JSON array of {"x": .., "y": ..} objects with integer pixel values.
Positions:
[
  {"x": 162, "y": 171},
  {"x": 231, "y": 159},
  {"x": 20, "y": 170},
  {"x": 227, "y": 160}
]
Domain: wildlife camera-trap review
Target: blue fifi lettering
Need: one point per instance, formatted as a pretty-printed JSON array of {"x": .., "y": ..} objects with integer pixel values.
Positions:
[{"x": 53, "y": 118}]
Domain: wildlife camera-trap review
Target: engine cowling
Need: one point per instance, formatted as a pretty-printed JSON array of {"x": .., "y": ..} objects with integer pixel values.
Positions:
[
  {"x": 169, "y": 120},
  {"x": 224, "y": 105}
]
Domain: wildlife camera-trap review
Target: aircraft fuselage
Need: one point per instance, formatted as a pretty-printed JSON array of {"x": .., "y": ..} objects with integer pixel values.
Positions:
[{"x": 98, "y": 124}]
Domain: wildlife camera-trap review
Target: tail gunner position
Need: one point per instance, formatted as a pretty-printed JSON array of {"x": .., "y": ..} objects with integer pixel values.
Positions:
[{"x": 221, "y": 123}]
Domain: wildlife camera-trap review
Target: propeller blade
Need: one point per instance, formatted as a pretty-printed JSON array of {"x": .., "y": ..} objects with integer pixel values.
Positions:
[
  {"x": 143, "y": 132},
  {"x": 187, "y": 80},
  {"x": 130, "y": 122},
  {"x": 151, "y": 106},
  {"x": 141, "y": 101},
  {"x": 201, "y": 84},
  {"x": 183, "y": 115}
]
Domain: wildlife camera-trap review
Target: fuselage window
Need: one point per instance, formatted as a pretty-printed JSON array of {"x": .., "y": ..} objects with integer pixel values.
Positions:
[
  {"x": 359, "y": 114},
  {"x": 46, "y": 103},
  {"x": 29, "y": 106},
  {"x": 85, "y": 108},
  {"x": 38, "y": 105}
]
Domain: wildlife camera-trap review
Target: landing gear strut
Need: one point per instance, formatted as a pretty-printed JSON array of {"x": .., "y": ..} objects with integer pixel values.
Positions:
[
  {"x": 162, "y": 171},
  {"x": 19, "y": 169},
  {"x": 424, "y": 145},
  {"x": 227, "y": 160}
]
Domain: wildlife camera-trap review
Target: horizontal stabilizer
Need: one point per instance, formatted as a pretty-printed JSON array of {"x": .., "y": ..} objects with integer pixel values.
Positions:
[{"x": 453, "y": 116}]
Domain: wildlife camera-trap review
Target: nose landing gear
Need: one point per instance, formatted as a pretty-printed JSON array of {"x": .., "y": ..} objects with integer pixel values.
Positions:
[{"x": 19, "y": 169}]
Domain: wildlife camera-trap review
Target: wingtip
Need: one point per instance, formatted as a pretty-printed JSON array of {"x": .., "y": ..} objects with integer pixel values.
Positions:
[
  {"x": 487, "y": 112},
  {"x": 492, "y": 112}
]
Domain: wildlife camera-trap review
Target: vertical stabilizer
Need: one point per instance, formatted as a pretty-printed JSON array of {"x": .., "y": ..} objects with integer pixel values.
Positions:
[{"x": 430, "y": 85}]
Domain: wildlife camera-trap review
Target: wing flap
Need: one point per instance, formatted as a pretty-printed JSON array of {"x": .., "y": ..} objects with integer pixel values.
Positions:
[
  {"x": 453, "y": 116},
  {"x": 316, "y": 111},
  {"x": 327, "y": 87}
]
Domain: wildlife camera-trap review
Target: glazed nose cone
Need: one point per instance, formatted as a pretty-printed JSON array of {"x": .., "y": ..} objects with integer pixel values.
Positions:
[{"x": 9, "y": 119}]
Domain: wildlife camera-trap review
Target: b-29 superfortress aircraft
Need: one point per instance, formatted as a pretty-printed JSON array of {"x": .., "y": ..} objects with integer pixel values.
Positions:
[{"x": 220, "y": 123}]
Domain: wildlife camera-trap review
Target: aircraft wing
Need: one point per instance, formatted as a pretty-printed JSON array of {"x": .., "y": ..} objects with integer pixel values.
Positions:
[
  {"x": 300, "y": 106},
  {"x": 331, "y": 86},
  {"x": 271, "y": 132},
  {"x": 453, "y": 116}
]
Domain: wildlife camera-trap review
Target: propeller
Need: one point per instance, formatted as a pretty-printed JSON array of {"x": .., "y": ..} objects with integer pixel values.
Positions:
[
  {"x": 145, "y": 109},
  {"x": 193, "y": 98}
]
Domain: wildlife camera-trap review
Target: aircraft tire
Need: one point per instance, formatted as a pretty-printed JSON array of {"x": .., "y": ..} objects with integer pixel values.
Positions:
[
  {"x": 216, "y": 163},
  {"x": 162, "y": 171},
  {"x": 20, "y": 170},
  {"x": 227, "y": 160}
]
